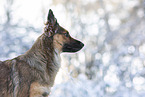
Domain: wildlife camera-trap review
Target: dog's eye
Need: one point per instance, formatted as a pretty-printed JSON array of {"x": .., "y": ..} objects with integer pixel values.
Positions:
[{"x": 66, "y": 34}]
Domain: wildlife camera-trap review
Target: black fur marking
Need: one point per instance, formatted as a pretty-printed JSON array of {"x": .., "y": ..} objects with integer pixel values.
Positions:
[{"x": 72, "y": 46}]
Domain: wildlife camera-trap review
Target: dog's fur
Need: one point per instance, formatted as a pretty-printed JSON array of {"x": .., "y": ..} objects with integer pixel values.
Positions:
[{"x": 33, "y": 73}]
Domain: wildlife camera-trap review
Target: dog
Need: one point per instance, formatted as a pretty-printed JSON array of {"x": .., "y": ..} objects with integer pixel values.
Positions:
[{"x": 33, "y": 73}]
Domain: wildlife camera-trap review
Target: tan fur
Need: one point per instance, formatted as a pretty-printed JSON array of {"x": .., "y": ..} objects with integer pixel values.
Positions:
[{"x": 58, "y": 42}]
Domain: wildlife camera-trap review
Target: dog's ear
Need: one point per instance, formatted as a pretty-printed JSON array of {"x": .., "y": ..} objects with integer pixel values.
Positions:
[
  {"x": 51, "y": 18},
  {"x": 51, "y": 24}
]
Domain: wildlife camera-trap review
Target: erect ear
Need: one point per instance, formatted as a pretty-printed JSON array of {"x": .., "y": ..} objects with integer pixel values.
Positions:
[{"x": 51, "y": 18}]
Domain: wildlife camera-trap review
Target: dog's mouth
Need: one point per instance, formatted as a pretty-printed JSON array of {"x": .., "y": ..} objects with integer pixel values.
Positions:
[{"x": 73, "y": 46}]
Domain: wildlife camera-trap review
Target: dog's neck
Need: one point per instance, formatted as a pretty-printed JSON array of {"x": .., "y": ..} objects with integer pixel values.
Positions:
[{"x": 44, "y": 57}]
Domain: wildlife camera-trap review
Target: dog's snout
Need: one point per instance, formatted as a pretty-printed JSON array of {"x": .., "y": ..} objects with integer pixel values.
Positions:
[{"x": 73, "y": 46}]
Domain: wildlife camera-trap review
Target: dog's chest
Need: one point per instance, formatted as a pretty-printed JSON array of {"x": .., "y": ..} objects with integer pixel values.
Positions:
[{"x": 42, "y": 90}]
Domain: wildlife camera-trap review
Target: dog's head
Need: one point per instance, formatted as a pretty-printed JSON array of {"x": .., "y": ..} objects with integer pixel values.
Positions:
[{"x": 62, "y": 40}]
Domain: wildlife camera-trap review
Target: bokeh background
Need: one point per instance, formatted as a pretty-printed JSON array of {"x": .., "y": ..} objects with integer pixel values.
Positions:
[{"x": 112, "y": 63}]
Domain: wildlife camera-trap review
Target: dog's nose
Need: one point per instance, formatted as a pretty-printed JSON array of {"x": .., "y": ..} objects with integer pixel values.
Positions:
[{"x": 82, "y": 45}]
